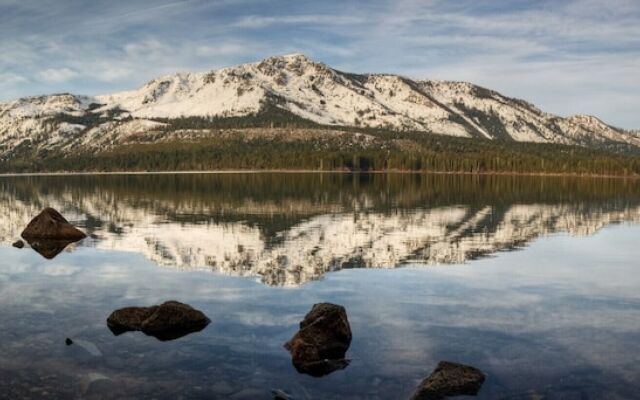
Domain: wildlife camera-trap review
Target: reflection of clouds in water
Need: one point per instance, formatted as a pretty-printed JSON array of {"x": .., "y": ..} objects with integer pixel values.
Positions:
[
  {"x": 501, "y": 315},
  {"x": 563, "y": 309},
  {"x": 61, "y": 270},
  {"x": 599, "y": 266}
]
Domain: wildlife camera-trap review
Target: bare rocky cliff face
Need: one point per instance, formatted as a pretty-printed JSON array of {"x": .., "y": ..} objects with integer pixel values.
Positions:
[{"x": 298, "y": 86}]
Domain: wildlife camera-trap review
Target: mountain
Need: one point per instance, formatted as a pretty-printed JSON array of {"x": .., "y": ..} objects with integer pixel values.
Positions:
[{"x": 293, "y": 88}]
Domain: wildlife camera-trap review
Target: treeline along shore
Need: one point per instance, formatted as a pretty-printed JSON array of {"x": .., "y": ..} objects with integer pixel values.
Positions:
[{"x": 323, "y": 149}]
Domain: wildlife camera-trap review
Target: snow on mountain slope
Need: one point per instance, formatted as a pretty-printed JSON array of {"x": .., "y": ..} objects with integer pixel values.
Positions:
[{"x": 298, "y": 85}]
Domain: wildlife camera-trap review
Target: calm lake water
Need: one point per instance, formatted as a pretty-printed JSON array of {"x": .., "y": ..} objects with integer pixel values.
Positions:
[{"x": 535, "y": 281}]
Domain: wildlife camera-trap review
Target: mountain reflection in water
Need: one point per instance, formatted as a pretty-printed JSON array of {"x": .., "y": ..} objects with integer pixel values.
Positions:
[
  {"x": 559, "y": 319},
  {"x": 289, "y": 229}
]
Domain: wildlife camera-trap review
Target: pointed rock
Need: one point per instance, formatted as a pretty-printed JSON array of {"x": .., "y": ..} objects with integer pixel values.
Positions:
[
  {"x": 450, "y": 379},
  {"x": 50, "y": 224}
]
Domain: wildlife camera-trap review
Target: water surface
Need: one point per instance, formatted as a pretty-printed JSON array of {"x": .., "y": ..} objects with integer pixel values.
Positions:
[{"x": 533, "y": 280}]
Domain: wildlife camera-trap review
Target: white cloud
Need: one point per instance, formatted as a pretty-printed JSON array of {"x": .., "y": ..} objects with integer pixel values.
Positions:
[
  {"x": 256, "y": 21},
  {"x": 224, "y": 49},
  {"x": 54, "y": 75},
  {"x": 108, "y": 72},
  {"x": 146, "y": 48},
  {"x": 10, "y": 78}
]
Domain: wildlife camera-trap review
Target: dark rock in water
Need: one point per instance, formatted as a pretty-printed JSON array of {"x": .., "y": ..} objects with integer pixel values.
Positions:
[
  {"x": 168, "y": 321},
  {"x": 68, "y": 342},
  {"x": 129, "y": 319},
  {"x": 47, "y": 248},
  {"x": 450, "y": 379},
  {"x": 49, "y": 233},
  {"x": 50, "y": 224},
  {"x": 319, "y": 347},
  {"x": 18, "y": 244}
]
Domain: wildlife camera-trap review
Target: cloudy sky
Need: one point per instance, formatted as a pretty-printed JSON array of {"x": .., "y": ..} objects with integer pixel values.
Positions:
[{"x": 567, "y": 56}]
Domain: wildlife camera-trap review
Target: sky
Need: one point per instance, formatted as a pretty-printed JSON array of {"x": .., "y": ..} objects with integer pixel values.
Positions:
[{"x": 566, "y": 56}]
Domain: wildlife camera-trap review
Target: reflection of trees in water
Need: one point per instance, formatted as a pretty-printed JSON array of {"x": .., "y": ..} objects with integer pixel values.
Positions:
[{"x": 290, "y": 228}]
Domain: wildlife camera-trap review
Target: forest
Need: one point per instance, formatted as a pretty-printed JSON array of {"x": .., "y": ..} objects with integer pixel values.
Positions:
[{"x": 385, "y": 151}]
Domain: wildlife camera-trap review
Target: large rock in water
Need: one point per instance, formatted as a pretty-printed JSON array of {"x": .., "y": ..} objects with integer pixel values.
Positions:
[
  {"x": 168, "y": 321},
  {"x": 450, "y": 379},
  {"x": 319, "y": 347},
  {"x": 51, "y": 225}
]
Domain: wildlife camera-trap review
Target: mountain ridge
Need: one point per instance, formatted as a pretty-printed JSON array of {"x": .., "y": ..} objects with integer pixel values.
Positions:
[{"x": 296, "y": 85}]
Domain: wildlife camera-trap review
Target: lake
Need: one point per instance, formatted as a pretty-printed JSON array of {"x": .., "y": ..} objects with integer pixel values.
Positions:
[{"x": 533, "y": 280}]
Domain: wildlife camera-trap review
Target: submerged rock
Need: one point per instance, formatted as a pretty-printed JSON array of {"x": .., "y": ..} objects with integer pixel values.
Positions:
[
  {"x": 18, "y": 244},
  {"x": 51, "y": 225},
  {"x": 279, "y": 394},
  {"x": 167, "y": 321},
  {"x": 319, "y": 347},
  {"x": 450, "y": 379}
]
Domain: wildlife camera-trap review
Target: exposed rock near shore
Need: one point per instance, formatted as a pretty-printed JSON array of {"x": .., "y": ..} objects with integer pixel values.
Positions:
[
  {"x": 18, "y": 244},
  {"x": 450, "y": 379},
  {"x": 319, "y": 347},
  {"x": 167, "y": 321},
  {"x": 51, "y": 225}
]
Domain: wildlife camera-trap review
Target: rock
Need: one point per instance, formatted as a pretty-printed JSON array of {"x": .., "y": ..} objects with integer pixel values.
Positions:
[
  {"x": 129, "y": 319},
  {"x": 18, "y": 244},
  {"x": 50, "y": 224},
  {"x": 168, "y": 321},
  {"x": 319, "y": 347},
  {"x": 68, "y": 342},
  {"x": 450, "y": 379}
]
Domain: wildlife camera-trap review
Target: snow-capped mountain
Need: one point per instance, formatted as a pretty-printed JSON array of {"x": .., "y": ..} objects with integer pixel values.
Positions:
[{"x": 293, "y": 84}]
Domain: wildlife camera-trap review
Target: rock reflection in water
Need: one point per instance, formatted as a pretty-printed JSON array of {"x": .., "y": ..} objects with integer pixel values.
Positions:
[
  {"x": 290, "y": 229},
  {"x": 47, "y": 248}
]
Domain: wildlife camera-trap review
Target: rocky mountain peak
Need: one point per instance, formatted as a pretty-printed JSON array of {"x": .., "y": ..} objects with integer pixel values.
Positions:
[{"x": 307, "y": 89}]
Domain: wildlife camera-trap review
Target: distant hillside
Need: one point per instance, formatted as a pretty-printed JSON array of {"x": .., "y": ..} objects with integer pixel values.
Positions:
[{"x": 373, "y": 114}]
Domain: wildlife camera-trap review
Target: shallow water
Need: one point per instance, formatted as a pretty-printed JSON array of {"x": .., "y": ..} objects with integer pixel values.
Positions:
[{"x": 533, "y": 280}]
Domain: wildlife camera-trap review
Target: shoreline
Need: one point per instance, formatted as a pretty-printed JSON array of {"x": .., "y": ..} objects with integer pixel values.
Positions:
[{"x": 307, "y": 171}]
